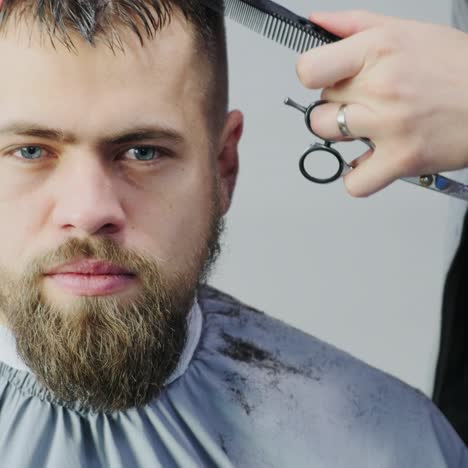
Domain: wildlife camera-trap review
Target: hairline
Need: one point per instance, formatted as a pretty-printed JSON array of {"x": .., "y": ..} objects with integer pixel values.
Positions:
[{"x": 214, "y": 112}]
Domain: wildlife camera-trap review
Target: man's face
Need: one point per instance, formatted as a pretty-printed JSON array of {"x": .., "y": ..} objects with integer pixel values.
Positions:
[{"x": 133, "y": 180}]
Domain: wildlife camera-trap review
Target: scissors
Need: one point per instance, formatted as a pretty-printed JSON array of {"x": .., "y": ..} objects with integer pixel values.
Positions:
[{"x": 434, "y": 182}]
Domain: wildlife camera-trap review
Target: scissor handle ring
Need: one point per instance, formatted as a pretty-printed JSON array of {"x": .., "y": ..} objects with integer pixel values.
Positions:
[
  {"x": 327, "y": 149},
  {"x": 307, "y": 116}
]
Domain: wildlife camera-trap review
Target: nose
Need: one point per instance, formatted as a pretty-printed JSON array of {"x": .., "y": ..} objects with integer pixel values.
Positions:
[{"x": 86, "y": 199}]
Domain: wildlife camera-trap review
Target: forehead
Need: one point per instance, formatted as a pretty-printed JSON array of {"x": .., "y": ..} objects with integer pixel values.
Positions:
[{"x": 95, "y": 86}]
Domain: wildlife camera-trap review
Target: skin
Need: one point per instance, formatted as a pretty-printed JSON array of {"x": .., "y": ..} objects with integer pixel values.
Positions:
[
  {"x": 405, "y": 83},
  {"x": 79, "y": 193},
  {"x": 82, "y": 188}
]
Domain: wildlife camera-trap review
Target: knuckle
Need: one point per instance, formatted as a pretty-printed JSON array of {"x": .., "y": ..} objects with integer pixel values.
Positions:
[
  {"x": 387, "y": 71},
  {"x": 388, "y": 85},
  {"x": 387, "y": 41}
]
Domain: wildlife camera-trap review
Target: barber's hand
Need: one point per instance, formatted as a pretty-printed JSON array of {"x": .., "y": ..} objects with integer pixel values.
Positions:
[{"x": 406, "y": 84}]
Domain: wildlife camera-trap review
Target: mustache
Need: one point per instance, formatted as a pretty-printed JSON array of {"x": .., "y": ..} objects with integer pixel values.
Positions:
[{"x": 103, "y": 249}]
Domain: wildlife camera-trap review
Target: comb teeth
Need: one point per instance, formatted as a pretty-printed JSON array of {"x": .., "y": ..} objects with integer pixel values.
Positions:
[{"x": 273, "y": 26}]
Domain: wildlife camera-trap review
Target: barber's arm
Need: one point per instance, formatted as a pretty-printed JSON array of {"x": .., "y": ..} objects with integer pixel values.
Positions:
[{"x": 406, "y": 86}]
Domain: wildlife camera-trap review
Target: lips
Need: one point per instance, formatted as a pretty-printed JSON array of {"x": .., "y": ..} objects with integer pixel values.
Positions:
[{"x": 90, "y": 267}]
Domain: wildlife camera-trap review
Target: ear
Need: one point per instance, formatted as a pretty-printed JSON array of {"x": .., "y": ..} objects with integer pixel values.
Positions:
[{"x": 227, "y": 161}]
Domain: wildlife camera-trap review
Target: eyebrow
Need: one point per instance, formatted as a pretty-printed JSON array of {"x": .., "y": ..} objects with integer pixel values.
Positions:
[{"x": 133, "y": 134}]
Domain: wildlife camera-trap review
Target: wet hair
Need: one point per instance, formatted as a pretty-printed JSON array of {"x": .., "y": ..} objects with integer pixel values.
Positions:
[{"x": 101, "y": 20}]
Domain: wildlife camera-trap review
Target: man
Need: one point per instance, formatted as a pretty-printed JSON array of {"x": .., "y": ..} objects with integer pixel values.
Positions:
[{"x": 118, "y": 161}]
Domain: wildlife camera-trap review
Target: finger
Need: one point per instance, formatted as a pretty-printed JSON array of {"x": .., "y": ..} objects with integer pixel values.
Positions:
[
  {"x": 347, "y": 23},
  {"x": 360, "y": 120},
  {"x": 356, "y": 162},
  {"x": 346, "y": 91},
  {"x": 374, "y": 173},
  {"x": 326, "y": 65}
]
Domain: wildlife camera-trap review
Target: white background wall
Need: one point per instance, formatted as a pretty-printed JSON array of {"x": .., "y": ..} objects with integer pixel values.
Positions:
[{"x": 363, "y": 274}]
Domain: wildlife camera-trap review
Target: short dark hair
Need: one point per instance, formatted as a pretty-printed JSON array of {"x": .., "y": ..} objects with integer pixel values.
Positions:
[{"x": 102, "y": 19}]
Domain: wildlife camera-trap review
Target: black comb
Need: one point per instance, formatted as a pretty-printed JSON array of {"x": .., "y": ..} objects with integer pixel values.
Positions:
[{"x": 274, "y": 22}]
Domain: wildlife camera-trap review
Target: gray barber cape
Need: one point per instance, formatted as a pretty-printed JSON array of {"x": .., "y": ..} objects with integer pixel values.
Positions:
[{"x": 256, "y": 393}]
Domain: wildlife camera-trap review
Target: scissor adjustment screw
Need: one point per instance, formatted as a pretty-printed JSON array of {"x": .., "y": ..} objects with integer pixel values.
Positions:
[{"x": 426, "y": 180}]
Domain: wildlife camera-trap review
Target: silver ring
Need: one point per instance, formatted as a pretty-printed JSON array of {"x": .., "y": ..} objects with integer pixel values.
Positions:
[{"x": 341, "y": 119}]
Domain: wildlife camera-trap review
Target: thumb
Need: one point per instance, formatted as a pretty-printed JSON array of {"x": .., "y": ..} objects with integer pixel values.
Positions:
[
  {"x": 373, "y": 172},
  {"x": 347, "y": 23}
]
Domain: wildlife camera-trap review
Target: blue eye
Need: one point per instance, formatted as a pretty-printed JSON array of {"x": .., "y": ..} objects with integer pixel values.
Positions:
[
  {"x": 31, "y": 152},
  {"x": 145, "y": 153},
  {"x": 149, "y": 154}
]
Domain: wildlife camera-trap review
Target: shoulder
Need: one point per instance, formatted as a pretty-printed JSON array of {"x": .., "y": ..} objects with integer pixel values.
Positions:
[
  {"x": 252, "y": 336},
  {"x": 323, "y": 388}
]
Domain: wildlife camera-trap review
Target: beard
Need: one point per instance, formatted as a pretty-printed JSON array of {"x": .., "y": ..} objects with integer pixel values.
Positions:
[{"x": 106, "y": 352}]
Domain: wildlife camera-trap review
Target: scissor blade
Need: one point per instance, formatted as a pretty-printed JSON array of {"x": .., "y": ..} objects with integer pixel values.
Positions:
[{"x": 440, "y": 184}]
